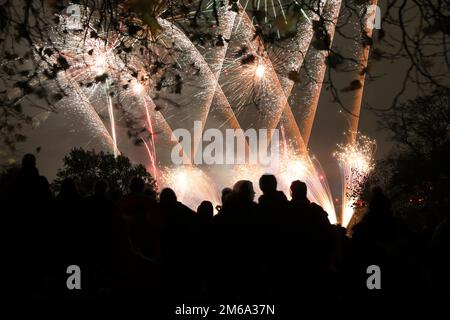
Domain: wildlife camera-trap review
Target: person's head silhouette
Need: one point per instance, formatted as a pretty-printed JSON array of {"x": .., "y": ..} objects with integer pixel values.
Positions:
[
  {"x": 244, "y": 190},
  {"x": 167, "y": 196},
  {"x": 150, "y": 193},
  {"x": 268, "y": 183},
  {"x": 226, "y": 192},
  {"x": 298, "y": 190},
  {"x": 29, "y": 161},
  {"x": 205, "y": 209},
  {"x": 137, "y": 185},
  {"x": 29, "y": 164}
]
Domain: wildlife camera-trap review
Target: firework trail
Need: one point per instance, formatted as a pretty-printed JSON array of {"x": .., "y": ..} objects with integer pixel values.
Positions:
[
  {"x": 356, "y": 162},
  {"x": 181, "y": 177},
  {"x": 220, "y": 107},
  {"x": 306, "y": 98},
  {"x": 356, "y": 157},
  {"x": 363, "y": 60},
  {"x": 251, "y": 69},
  {"x": 111, "y": 118},
  {"x": 102, "y": 75},
  {"x": 294, "y": 51},
  {"x": 77, "y": 106},
  {"x": 201, "y": 102}
]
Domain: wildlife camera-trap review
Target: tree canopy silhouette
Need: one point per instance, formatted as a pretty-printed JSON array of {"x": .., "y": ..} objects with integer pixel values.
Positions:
[
  {"x": 87, "y": 166},
  {"x": 416, "y": 174}
]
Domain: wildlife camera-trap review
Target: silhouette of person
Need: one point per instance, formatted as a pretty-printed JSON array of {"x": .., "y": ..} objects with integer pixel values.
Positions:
[
  {"x": 312, "y": 232},
  {"x": 70, "y": 229},
  {"x": 68, "y": 191},
  {"x": 377, "y": 227},
  {"x": 272, "y": 219},
  {"x": 143, "y": 219},
  {"x": 29, "y": 191},
  {"x": 238, "y": 243},
  {"x": 140, "y": 241},
  {"x": 373, "y": 240},
  {"x": 203, "y": 238},
  {"x": 99, "y": 233},
  {"x": 226, "y": 192},
  {"x": 271, "y": 199},
  {"x": 205, "y": 210},
  {"x": 28, "y": 203},
  {"x": 178, "y": 244}
]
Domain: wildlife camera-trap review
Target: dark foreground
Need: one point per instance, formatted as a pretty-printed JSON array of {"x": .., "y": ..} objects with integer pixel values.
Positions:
[{"x": 140, "y": 246}]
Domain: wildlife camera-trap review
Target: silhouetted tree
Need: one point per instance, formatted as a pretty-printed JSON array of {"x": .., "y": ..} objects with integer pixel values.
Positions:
[
  {"x": 86, "y": 167},
  {"x": 416, "y": 174}
]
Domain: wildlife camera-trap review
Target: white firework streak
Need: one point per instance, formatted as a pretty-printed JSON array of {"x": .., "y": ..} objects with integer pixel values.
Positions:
[
  {"x": 308, "y": 97},
  {"x": 216, "y": 59},
  {"x": 355, "y": 162},
  {"x": 220, "y": 101},
  {"x": 213, "y": 92},
  {"x": 356, "y": 158},
  {"x": 78, "y": 104},
  {"x": 296, "y": 50},
  {"x": 363, "y": 60},
  {"x": 181, "y": 177},
  {"x": 225, "y": 29},
  {"x": 190, "y": 55},
  {"x": 155, "y": 122},
  {"x": 272, "y": 96},
  {"x": 201, "y": 110}
]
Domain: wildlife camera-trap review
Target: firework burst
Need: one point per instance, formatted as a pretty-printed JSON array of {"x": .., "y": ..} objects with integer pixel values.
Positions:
[
  {"x": 182, "y": 178},
  {"x": 355, "y": 162}
]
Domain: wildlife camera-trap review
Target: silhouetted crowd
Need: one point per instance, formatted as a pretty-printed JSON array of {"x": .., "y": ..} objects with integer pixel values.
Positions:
[{"x": 147, "y": 245}]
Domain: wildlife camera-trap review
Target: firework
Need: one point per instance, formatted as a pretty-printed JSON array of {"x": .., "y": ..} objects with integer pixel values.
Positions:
[
  {"x": 355, "y": 162},
  {"x": 306, "y": 95},
  {"x": 363, "y": 60},
  {"x": 182, "y": 179}
]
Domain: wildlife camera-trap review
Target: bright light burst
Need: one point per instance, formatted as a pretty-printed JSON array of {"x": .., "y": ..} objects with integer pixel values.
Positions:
[
  {"x": 138, "y": 88},
  {"x": 260, "y": 70},
  {"x": 191, "y": 185},
  {"x": 355, "y": 162}
]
